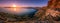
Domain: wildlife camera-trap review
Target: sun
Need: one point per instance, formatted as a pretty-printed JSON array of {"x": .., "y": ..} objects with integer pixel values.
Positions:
[{"x": 14, "y": 7}]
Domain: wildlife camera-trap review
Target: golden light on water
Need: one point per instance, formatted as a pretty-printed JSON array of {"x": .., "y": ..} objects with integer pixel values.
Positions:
[{"x": 14, "y": 9}]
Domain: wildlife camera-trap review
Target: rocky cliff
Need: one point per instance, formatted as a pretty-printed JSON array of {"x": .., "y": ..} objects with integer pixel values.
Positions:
[{"x": 52, "y": 10}]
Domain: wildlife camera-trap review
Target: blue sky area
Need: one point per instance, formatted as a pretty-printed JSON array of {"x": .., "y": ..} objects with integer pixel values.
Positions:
[{"x": 31, "y": 3}]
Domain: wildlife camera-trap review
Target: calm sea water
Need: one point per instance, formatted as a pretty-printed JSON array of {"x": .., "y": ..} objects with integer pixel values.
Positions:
[{"x": 19, "y": 11}]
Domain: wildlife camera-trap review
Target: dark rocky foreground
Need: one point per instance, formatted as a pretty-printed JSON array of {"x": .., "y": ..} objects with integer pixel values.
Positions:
[{"x": 39, "y": 17}]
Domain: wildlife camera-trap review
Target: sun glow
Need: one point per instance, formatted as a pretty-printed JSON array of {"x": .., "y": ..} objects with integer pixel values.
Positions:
[{"x": 14, "y": 7}]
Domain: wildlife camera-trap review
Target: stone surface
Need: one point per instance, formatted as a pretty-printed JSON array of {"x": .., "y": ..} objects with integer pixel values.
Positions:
[{"x": 52, "y": 10}]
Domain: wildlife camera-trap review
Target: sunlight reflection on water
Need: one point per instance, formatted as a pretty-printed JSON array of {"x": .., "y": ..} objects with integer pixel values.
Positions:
[{"x": 18, "y": 10}]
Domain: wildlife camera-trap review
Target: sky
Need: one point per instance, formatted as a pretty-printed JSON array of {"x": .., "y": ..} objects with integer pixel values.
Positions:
[{"x": 24, "y": 3}]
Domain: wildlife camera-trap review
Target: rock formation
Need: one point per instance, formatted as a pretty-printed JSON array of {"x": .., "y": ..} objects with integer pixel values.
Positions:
[
  {"x": 54, "y": 3},
  {"x": 52, "y": 10}
]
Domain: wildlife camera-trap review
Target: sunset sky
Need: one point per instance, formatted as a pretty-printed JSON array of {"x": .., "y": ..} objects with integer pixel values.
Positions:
[{"x": 23, "y": 3}]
